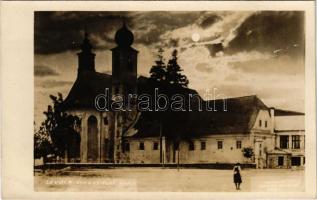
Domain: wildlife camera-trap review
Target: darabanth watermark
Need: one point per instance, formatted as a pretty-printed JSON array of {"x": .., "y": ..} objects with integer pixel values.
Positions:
[{"x": 160, "y": 101}]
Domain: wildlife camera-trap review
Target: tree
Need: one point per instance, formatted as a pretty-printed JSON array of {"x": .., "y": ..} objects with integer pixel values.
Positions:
[
  {"x": 42, "y": 143},
  {"x": 248, "y": 152},
  {"x": 57, "y": 132},
  {"x": 158, "y": 71},
  {"x": 173, "y": 72}
]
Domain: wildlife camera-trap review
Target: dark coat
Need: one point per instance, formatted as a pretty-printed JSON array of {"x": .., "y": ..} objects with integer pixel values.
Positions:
[{"x": 236, "y": 175}]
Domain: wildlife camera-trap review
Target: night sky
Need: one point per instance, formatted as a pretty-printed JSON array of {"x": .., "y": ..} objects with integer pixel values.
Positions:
[{"x": 239, "y": 53}]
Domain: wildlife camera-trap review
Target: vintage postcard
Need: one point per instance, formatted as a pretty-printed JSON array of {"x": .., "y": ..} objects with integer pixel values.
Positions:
[{"x": 158, "y": 100}]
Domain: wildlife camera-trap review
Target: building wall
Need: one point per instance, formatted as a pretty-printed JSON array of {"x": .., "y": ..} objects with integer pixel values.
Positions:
[
  {"x": 300, "y": 152},
  {"x": 148, "y": 155},
  {"x": 273, "y": 161},
  {"x": 228, "y": 154},
  {"x": 263, "y": 122},
  {"x": 288, "y": 126},
  {"x": 301, "y": 135},
  {"x": 104, "y": 125},
  {"x": 261, "y": 139},
  {"x": 262, "y": 135},
  {"x": 293, "y": 122}
]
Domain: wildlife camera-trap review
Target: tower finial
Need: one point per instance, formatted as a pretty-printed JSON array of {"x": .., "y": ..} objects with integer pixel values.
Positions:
[
  {"x": 86, "y": 34},
  {"x": 86, "y": 46},
  {"x": 124, "y": 24}
]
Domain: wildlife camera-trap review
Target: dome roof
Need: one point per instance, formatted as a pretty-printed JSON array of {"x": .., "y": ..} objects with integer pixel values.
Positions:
[{"x": 124, "y": 37}]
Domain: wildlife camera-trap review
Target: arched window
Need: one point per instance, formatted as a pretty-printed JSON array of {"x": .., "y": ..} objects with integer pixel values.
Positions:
[{"x": 92, "y": 139}]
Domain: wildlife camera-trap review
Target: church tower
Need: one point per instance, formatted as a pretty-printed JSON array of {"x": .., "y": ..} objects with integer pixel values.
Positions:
[
  {"x": 124, "y": 82},
  {"x": 124, "y": 63},
  {"x": 86, "y": 59}
]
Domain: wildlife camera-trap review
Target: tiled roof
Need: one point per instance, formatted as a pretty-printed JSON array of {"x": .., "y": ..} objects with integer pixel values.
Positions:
[{"x": 239, "y": 117}]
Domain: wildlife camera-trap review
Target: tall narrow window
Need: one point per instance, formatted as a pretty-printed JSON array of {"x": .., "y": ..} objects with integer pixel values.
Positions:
[
  {"x": 202, "y": 145},
  {"x": 220, "y": 144},
  {"x": 238, "y": 144},
  {"x": 280, "y": 161},
  {"x": 265, "y": 123},
  {"x": 130, "y": 64},
  {"x": 191, "y": 146},
  {"x": 127, "y": 146},
  {"x": 92, "y": 153},
  {"x": 141, "y": 146},
  {"x": 295, "y": 142},
  {"x": 260, "y": 123},
  {"x": 155, "y": 146},
  {"x": 284, "y": 141}
]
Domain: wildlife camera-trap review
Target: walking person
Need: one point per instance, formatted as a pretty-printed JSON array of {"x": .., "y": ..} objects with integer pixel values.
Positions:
[{"x": 237, "y": 176}]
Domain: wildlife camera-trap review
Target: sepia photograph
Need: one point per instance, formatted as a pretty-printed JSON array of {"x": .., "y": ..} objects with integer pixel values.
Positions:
[
  {"x": 203, "y": 101},
  {"x": 158, "y": 100}
]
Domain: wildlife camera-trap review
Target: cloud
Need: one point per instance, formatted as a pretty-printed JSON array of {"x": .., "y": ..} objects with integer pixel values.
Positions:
[
  {"x": 209, "y": 20},
  {"x": 42, "y": 70},
  {"x": 203, "y": 67},
  {"x": 54, "y": 84},
  {"x": 61, "y": 31},
  {"x": 275, "y": 65},
  {"x": 269, "y": 31},
  {"x": 214, "y": 48}
]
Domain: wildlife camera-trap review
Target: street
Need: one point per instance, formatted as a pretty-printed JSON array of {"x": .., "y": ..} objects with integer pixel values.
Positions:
[{"x": 169, "y": 180}]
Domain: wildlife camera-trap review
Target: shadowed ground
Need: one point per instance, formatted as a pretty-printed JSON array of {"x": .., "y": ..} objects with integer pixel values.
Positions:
[{"x": 169, "y": 180}]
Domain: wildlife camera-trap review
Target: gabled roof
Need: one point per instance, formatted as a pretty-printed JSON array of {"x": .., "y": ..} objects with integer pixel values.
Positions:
[
  {"x": 85, "y": 89},
  {"x": 280, "y": 112},
  {"x": 239, "y": 117}
]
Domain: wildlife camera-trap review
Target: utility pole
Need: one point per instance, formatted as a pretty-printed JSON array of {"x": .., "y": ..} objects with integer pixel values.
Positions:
[
  {"x": 100, "y": 137},
  {"x": 161, "y": 145},
  {"x": 178, "y": 158}
]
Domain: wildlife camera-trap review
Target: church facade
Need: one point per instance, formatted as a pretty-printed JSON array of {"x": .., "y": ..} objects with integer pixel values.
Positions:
[
  {"x": 101, "y": 132},
  {"x": 122, "y": 137}
]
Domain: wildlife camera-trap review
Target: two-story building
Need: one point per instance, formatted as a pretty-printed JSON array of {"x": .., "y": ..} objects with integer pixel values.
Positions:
[{"x": 289, "y": 130}]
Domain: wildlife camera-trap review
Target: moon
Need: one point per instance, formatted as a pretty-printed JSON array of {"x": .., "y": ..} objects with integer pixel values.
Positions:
[{"x": 195, "y": 37}]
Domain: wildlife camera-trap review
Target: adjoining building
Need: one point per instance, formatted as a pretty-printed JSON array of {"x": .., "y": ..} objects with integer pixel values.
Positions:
[
  {"x": 289, "y": 128},
  {"x": 217, "y": 136}
]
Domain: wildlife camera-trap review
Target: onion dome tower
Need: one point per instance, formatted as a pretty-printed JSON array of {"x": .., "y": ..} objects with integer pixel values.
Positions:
[
  {"x": 124, "y": 62},
  {"x": 124, "y": 83},
  {"x": 124, "y": 37}
]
